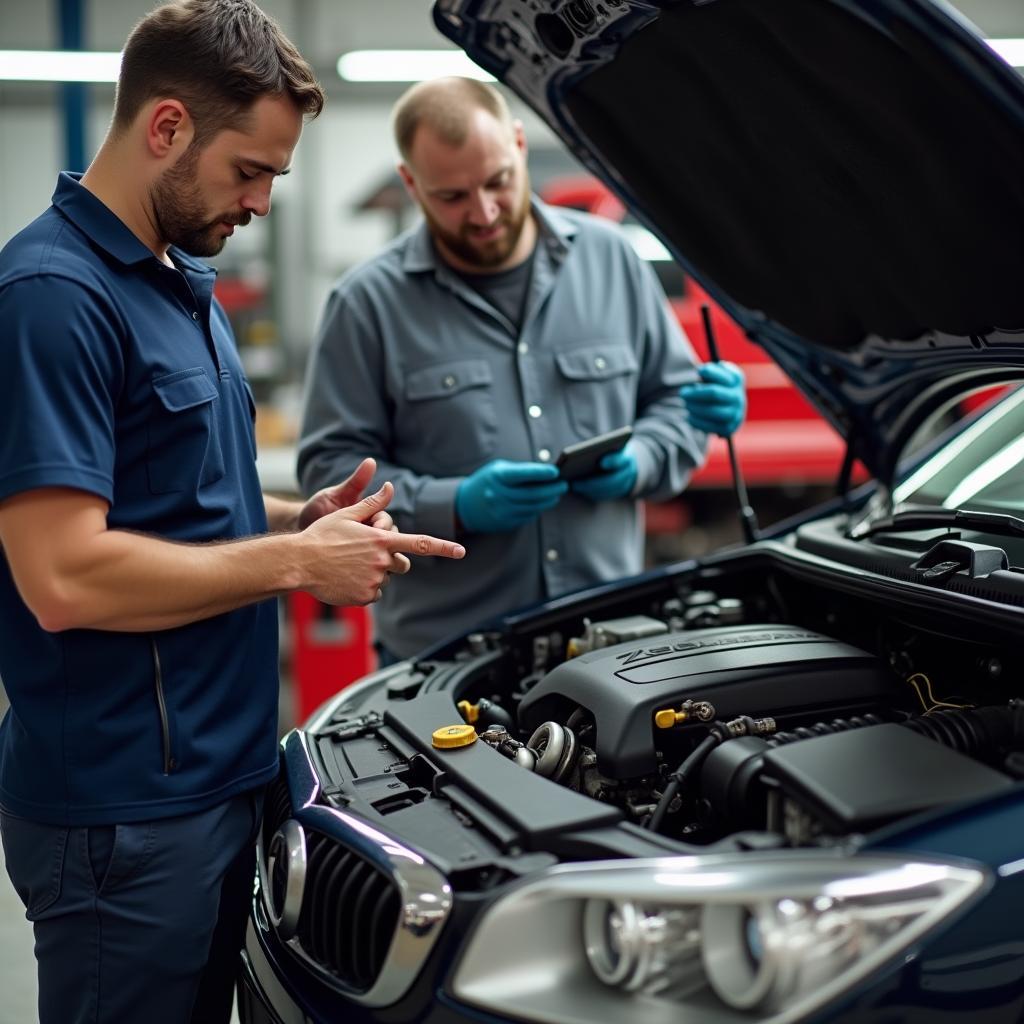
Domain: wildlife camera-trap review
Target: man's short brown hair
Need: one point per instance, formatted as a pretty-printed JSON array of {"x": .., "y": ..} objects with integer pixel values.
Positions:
[
  {"x": 445, "y": 106},
  {"x": 218, "y": 57}
]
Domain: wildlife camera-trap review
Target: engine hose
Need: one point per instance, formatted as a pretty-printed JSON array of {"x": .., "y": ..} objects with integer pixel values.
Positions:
[
  {"x": 494, "y": 714},
  {"x": 694, "y": 760},
  {"x": 974, "y": 731},
  {"x": 579, "y": 721},
  {"x": 971, "y": 731},
  {"x": 808, "y": 732}
]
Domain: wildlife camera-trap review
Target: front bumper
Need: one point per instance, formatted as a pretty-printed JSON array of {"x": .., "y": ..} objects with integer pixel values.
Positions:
[
  {"x": 267, "y": 995},
  {"x": 262, "y": 998}
]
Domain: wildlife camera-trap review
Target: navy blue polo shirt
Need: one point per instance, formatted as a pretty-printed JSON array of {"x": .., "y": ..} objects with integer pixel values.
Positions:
[{"x": 119, "y": 376}]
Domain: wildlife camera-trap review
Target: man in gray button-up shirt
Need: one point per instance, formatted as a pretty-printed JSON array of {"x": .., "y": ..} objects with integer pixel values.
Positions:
[{"x": 500, "y": 328}]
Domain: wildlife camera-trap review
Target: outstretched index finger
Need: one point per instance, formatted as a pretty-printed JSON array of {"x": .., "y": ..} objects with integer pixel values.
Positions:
[{"x": 421, "y": 544}]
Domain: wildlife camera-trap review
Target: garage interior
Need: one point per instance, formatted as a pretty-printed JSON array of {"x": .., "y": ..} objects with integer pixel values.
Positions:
[{"x": 340, "y": 205}]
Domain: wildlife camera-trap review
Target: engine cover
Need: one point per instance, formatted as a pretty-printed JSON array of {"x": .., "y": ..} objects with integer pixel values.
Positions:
[{"x": 773, "y": 669}]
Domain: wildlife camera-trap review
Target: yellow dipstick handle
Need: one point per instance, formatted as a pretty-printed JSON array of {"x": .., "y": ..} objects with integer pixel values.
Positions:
[
  {"x": 666, "y": 718},
  {"x": 470, "y": 712}
]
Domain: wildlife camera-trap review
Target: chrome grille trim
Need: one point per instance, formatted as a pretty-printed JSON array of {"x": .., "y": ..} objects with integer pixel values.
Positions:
[{"x": 423, "y": 893}]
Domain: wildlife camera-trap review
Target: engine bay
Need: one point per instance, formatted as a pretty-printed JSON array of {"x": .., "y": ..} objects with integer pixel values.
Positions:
[{"x": 752, "y": 704}]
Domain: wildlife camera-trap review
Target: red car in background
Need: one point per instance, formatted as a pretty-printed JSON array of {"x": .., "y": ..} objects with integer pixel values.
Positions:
[{"x": 783, "y": 445}]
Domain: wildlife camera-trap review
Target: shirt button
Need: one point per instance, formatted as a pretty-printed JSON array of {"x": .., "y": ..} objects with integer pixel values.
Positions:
[
  {"x": 600, "y": 362},
  {"x": 523, "y": 348},
  {"x": 544, "y": 455},
  {"x": 449, "y": 382},
  {"x": 535, "y": 412},
  {"x": 551, "y": 555},
  {"x": 195, "y": 314}
]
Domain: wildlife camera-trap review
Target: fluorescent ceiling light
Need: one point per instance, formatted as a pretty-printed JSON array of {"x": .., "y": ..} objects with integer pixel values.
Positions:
[
  {"x": 417, "y": 65},
  {"x": 407, "y": 65},
  {"x": 58, "y": 66},
  {"x": 355, "y": 66},
  {"x": 1011, "y": 50}
]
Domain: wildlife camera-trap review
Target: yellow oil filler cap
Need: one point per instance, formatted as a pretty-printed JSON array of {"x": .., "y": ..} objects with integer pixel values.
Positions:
[{"x": 451, "y": 736}]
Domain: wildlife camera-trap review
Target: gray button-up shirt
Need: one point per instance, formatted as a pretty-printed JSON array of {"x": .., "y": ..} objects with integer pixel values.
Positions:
[{"x": 414, "y": 368}]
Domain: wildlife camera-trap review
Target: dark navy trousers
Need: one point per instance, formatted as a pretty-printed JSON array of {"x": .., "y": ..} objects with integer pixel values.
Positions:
[{"x": 138, "y": 923}]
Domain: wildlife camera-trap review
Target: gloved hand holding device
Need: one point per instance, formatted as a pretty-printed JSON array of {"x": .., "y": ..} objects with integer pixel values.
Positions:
[
  {"x": 503, "y": 495},
  {"x": 616, "y": 480}
]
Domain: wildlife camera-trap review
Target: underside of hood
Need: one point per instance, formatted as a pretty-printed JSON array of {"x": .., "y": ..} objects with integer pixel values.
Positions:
[{"x": 845, "y": 178}]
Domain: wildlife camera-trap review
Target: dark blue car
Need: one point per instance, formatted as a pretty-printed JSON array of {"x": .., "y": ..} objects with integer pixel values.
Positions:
[{"x": 782, "y": 783}]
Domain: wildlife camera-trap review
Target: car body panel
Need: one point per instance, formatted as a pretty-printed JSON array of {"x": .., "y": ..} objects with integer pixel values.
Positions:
[
  {"x": 892, "y": 642},
  {"x": 877, "y": 295}
]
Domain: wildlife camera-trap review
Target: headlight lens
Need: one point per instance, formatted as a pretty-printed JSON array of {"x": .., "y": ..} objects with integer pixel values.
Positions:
[
  {"x": 720, "y": 937},
  {"x": 641, "y": 949}
]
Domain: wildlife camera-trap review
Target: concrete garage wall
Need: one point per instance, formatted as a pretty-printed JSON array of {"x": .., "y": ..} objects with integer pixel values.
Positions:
[
  {"x": 317, "y": 232},
  {"x": 343, "y": 155},
  {"x": 30, "y": 147}
]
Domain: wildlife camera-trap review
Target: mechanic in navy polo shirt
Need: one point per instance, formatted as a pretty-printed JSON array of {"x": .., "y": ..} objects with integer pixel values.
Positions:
[{"x": 138, "y": 635}]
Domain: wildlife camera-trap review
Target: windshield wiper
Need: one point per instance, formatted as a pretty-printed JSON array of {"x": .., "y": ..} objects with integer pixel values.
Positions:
[{"x": 928, "y": 518}]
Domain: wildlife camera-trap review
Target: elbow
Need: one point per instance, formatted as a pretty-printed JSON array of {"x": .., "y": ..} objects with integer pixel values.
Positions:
[
  {"x": 55, "y": 617},
  {"x": 56, "y": 612}
]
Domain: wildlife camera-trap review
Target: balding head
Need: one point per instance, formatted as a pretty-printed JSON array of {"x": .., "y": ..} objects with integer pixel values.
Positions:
[{"x": 445, "y": 106}]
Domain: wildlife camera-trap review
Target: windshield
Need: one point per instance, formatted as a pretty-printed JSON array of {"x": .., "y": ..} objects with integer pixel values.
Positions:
[{"x": 979, "y": 468}]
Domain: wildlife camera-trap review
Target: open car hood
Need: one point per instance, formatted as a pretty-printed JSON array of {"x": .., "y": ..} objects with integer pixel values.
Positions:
[{"x": 845, "y": 177}]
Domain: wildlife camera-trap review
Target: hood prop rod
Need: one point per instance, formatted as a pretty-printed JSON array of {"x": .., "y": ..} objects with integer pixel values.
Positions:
[{"x": 748, "y": 518}]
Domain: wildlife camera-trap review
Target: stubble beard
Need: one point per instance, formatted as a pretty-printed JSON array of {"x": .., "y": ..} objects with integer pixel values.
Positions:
[
  {"x": 484, "y": 255},
  {"x": 180, "y": 216}
]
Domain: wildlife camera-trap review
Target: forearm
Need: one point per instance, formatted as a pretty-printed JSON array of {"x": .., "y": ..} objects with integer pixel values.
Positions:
[
  {"x": 282, "y": 514},
  {"x": 73, "y": 572},
  {"x": 127, "y": 582}
]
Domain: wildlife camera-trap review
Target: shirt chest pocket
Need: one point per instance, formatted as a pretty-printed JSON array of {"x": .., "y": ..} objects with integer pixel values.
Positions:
[
  {"x": 184, "y": 449},
  {"x": 600, "y": 383},
  {"x": 452, "y": 416}
]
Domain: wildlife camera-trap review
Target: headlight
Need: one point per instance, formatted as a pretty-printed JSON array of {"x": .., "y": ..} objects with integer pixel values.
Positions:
[{"x": 701, "y": 938}]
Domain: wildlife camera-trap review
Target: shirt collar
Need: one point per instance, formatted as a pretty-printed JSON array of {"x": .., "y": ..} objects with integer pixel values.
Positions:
[
  {"x": 96, "y": 220},
  {"x": 554, "y": 229},
  {"x": 93, "y": 218}
]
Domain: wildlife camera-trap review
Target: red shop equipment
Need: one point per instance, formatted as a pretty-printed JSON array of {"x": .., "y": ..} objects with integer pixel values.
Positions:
[{"x": 330, "y": 647}]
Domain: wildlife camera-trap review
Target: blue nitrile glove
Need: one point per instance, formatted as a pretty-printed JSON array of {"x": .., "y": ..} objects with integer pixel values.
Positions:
[
  {"x": 503, "y": 495},
  {"x": 718, "y": 403},
  {"x": 617, "y": 480}
]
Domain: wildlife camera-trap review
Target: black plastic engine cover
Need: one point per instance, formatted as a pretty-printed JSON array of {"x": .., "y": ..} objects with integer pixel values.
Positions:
[{"x": 742, "y": 670}]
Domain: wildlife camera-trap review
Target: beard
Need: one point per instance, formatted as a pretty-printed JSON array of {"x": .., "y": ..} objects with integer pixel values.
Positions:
[
  {"x": 181, "y": 218},
  {"x": 484, "y": 254}
]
